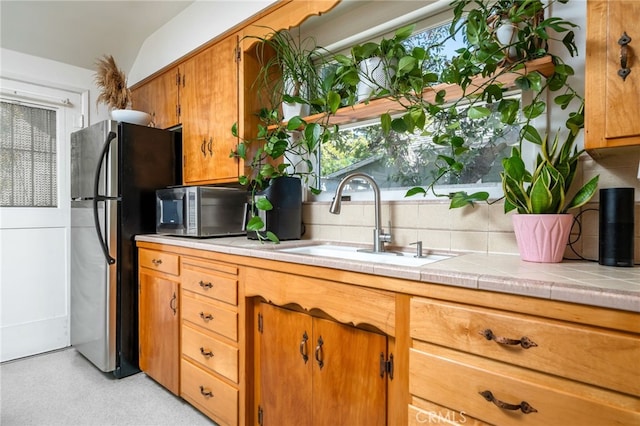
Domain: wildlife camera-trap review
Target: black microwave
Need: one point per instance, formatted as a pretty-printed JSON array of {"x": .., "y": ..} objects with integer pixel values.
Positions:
[{"x": 200, "y": 211}]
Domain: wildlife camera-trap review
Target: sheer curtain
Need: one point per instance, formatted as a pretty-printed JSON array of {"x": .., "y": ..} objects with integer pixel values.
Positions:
[{"x": 28, "y": 165}]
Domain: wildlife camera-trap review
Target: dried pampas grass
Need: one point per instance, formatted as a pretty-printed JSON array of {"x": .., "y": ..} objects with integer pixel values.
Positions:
[{"x": 113, "y": 82}]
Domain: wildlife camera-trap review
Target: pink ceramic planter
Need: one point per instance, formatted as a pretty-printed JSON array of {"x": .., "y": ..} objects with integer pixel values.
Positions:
[{"x": 542, "y": 237}]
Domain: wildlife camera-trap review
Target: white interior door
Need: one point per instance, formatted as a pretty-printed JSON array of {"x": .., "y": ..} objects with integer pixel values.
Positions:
[{"x": 34, "y": 224}]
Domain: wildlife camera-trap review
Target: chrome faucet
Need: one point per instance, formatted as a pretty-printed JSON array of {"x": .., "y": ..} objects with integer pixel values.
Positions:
[{"x": 379, "y": 237}]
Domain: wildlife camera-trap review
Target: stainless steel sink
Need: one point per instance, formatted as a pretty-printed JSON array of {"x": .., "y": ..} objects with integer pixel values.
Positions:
[{"x": 358, "y": 254}]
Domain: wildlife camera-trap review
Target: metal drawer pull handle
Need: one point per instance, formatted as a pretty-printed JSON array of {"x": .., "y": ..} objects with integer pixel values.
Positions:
[
  {"x": 319, "y": 355},
  {"x": 206, "y": 392},
  {"x": 205, "y": 285},
  {"x": 624, "y": 71},
  {"x": 206, "y": 352},
  {"x": 525, "y": 342},
  {"x": 303, "y": 347},
  {"x": 206, "y": 317},
  {"x": 524, "y": 406},
  {"x": 156, "y": 261},
  {"x": 173, "y": 303}
]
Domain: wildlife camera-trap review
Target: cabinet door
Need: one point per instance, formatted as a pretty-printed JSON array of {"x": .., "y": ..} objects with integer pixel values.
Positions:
[
  {"x": 349, "y": 388},
  {"x": 159, "y": 330},
  {"x": 612, "y": 103},
  {"x": 319, "y": 372},
  {"x": 159, "y": 97},
  {"x": 209, "y": 104},
  {"x": 285, "y": 391}
]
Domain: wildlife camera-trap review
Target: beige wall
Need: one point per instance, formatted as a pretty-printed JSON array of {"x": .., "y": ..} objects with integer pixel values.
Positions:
[{"x": 483, "y": 228}]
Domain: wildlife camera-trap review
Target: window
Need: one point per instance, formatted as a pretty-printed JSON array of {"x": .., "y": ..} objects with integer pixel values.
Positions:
[
  {"x": 28, "y": 158},
  {"x": 401, "y": 161}
]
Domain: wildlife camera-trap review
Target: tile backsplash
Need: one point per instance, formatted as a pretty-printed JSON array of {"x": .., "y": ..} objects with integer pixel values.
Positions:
[{"x": 481, "y": 229}]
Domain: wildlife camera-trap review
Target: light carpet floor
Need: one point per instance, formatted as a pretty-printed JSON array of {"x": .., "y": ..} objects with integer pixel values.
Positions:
[{"x": 62, "y": 388}]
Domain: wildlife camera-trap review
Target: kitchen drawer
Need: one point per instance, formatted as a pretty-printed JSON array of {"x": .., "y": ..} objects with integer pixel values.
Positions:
[
  {"x": 210, "y": 353},
  {"x": 215, "y": 398},
  {"x": 217, "y": 286},
  {"x": 210, "y": 316},
  {"x": 423, "y": 413},
  {"x": 591, "y": 355},
  {"x": 159, "y": 261},
  {"x": 456, "y": 380}
]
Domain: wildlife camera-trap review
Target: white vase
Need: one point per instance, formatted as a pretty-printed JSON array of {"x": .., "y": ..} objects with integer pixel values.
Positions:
[
  {"x": 373, "y": 77},
  {"x": 131, "y": 116},
  {"x": 506, "y": 34},
  {"x": 542, "y": 237},
  {"x": 292, "y": 109}
]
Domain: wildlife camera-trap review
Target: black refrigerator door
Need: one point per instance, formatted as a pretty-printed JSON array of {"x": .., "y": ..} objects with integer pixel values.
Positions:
[{"x": 148, "y": 159}]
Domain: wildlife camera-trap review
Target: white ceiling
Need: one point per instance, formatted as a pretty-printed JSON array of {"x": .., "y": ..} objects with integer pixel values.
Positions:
[{"x": 79, "y": 32}]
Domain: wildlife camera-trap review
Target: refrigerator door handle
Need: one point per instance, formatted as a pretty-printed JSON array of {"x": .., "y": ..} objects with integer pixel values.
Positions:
[{"x": 97, "y": 197}]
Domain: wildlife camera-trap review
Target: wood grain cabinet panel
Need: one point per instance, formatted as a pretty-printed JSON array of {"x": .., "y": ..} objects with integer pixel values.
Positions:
[
  {"x": 612, "y": 102},
  {"x": 555, "y": 347},
  {"x": 463, "y": 382},
  {"x": 210, "y": 353},
  {"x": 485, "y": 362},
  {"x": 209, "y": 394},
  {"x": 209, "y": 103},
  {"x": 314, "y": 371},
  {"x": 215, "y": 318},
  {"x": 159, "y": 328},
  {"x": 160, "y": 98},
  {"x": 211, "y": 374},
  {"x": 159, "y": 261},
  {"x": 207, "y": 283}
]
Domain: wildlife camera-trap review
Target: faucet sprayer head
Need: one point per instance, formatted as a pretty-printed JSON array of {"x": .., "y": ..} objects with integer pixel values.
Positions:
[{"x": 335, "y": 205}]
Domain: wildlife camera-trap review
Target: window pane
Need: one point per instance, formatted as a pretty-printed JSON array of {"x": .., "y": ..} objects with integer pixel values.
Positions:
[
  {"x": 28, "y": 158},
  {"x": 401, "y": 160}
]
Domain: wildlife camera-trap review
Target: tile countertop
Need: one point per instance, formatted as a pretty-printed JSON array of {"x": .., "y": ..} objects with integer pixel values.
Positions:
[{"x": 581, "y": 282}]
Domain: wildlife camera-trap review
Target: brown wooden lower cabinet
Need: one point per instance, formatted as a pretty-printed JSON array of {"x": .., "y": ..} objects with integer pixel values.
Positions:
[
  {"x": 504, "y": 368},
  {"x": 315, "y": 371},
  {"x": 270, "y": 343},
  {"x": 159, "y": 321}
]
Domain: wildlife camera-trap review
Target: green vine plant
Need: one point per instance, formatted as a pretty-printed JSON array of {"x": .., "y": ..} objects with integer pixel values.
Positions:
[
  {"x": 277, "y": 147},
  {"x": 484, "y": 55}
]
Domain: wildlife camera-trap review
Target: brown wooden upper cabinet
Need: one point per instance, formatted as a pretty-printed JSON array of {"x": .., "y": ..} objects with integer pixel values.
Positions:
[
  {"x": 159, "y": 97},
  {"x": 209, "y": 103},
  {"x": 612, "y": 73}
]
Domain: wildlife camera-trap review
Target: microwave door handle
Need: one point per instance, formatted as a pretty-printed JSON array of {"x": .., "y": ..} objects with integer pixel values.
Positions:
[{"x": 97, "y": 197}]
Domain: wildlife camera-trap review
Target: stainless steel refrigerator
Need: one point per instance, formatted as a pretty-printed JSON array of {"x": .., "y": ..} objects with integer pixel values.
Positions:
[{"x": 115, "y": 170}]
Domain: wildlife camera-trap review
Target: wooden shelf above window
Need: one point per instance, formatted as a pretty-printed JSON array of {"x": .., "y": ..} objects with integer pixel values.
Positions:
[{"x": 377, "y": 107}]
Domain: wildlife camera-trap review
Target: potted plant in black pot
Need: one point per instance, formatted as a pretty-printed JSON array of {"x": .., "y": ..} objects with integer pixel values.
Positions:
[
  {"x": 280, "y": 152},
  {"x": 279, "y": 165}
]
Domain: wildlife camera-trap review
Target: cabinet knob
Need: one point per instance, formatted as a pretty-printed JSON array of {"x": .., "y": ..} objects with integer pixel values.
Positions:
[
  {"x": 206, "y": 352},
  {"x": 156, "y": 262},
  {"x": 205, "y": 392},
  {"x": 205, "y": 285},
  {"x": 206, "y": 317}
]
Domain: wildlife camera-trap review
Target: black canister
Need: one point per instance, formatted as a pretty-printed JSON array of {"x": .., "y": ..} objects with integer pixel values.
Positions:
[
  {"x": 616, "y": 226},
  {"x": 285, "y": 219}
]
